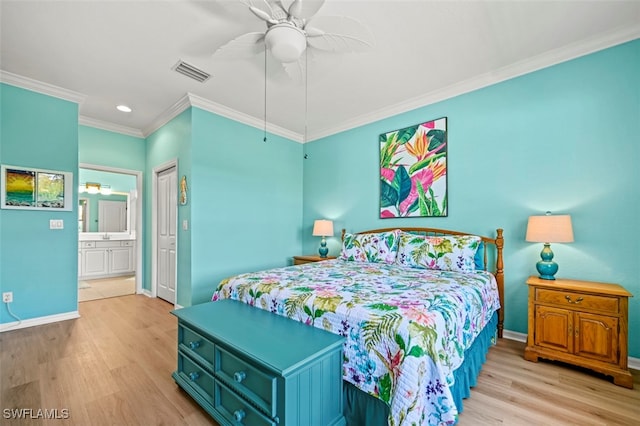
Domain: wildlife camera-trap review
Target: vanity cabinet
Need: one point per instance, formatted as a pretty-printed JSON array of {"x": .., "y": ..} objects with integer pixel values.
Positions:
[{"x": 101, "y": 259}]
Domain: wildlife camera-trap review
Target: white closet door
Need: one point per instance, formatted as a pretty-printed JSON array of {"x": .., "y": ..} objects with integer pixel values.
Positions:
[{"x": 167, "y": 210}]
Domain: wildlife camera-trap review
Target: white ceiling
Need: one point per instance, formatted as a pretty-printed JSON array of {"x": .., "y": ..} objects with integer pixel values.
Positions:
[{"x": 117, "y": 52}]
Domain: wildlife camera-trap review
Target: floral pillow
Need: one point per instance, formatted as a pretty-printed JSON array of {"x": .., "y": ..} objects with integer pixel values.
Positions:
[
  {"x": 445, "y": 253},
  {"x": 379, "y": 247}
]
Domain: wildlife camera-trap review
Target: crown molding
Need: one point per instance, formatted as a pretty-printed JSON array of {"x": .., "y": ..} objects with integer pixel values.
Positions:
[
  {"x": 167, "y": 115},
  {"x": 535, "y": 63},
  {"x": 105, "y": 125},
  {"x": 249, "y": 120},
  {"x": 40, "y": 87},
  {"x": 191, "y": 100}
]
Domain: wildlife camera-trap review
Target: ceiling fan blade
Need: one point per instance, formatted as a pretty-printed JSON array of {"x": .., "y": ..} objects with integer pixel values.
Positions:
[
  {"x": 247, "y": 45},
  {"x": 339, "y": 34},
  {"x": 305, "y": 9},
  {"x": 262, "y": 15}
]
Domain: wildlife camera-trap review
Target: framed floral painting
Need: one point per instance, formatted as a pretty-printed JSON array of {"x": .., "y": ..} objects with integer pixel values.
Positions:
[{"x": 413, "y": 171}]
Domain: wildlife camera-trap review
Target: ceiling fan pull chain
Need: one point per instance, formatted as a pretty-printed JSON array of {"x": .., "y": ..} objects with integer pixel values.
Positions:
[
  {"x": 306, "y": 95},
  {"x": 264, "y": 139}
]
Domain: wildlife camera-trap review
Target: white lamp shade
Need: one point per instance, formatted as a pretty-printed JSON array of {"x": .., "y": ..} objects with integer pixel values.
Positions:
[
  {"x": 322, "y": 228},
  {"x": 550, "y": 229},
  {"x": 285, "y": 42}
]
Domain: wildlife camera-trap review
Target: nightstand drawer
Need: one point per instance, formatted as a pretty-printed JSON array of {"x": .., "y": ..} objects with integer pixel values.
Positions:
[
  {"x": 255, "y": 385},
  {"x": 566, "y": 298},
  {"x": 236, "y": 410},
  {"x": 197, "y": 346},
  {"x": 196, "y": 376}
]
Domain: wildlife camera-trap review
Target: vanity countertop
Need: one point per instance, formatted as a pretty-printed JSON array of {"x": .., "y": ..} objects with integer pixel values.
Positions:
[{"x": 108, "y": 236}]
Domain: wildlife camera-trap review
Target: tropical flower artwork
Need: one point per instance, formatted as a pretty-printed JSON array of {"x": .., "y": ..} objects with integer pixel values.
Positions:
[{"x": 413, "y": 171}]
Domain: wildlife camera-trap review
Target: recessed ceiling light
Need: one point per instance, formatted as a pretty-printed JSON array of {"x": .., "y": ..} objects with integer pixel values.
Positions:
[{"x": 123, "y": 108}]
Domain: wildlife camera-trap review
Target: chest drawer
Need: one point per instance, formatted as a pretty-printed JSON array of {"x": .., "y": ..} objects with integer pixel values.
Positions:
[
  {"x": 200, "y": 348},
  {"x": 236, "y": 410},
  {"x": 567, "y": 298},
  {"x": 257, "y": 386},
  {"x": 196, "y": 376}
]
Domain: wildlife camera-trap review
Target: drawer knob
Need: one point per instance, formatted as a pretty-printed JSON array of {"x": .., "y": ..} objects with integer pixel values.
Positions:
[
  {"x": 194, "y": 376},
  {"x": 239, "y": 376},
  {"x": 578, "y": 300},
  {"x": 239, "y": 415},
  {"x": 194, "y": 345}
]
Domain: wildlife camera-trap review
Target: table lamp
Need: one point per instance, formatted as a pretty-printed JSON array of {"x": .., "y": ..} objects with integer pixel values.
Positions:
[
  {"x": 549, "y": 229},
  {"x": 323, "y": 228}
]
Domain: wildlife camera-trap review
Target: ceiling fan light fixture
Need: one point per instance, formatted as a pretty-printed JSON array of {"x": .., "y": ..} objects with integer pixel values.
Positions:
[{"x": 286, "y": 42}]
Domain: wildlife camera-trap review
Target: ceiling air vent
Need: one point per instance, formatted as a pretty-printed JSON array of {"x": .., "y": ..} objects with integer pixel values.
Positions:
[{"x": 191, "y": 71}]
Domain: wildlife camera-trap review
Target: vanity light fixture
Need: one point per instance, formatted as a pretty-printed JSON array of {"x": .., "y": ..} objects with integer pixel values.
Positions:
[
  {"x": 92, "y": 187},
  {"x": 95, "y": 188},
  {"x": 123, "y": 108},
  {"x": 105, "y": 189}
]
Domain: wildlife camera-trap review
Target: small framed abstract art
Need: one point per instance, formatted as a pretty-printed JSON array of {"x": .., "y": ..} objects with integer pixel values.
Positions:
[
  {"x": 413, "y": 171},
  {"x": 35, "y": 189}
]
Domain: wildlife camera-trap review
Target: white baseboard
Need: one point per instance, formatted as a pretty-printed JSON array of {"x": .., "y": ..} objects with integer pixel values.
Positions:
[
  {"x": 146, "y": 293},
  {"x": 514, "y": 335},
  {"x": 633, "y": 363},
  {"x": 32, "y": 322}
]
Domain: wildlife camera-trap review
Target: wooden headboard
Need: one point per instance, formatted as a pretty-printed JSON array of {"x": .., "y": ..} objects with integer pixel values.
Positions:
[{"x": 497, "y": 243}]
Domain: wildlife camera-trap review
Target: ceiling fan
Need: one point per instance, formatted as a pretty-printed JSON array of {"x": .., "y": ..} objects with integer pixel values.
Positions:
[{"x": 290, "y": 31}]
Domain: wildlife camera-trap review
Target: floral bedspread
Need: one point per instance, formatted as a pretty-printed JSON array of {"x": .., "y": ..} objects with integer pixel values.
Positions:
[{"x": 406, "y": 328}]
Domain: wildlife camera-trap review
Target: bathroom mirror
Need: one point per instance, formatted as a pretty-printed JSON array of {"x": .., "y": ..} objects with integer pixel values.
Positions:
[
  {"x": 104, "y": 202},
  {"x": 103, "y": 213}
]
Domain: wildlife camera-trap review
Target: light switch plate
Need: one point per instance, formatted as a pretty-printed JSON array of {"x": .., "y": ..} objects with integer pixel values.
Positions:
[{"x": 56, "y": 224}]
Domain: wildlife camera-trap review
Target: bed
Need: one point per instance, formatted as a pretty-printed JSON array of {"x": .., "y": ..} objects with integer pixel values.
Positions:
[{"x": 419, "y": 308}]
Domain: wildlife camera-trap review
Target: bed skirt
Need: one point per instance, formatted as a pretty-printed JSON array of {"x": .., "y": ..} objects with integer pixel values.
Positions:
[{"x": 361, "y": 408}]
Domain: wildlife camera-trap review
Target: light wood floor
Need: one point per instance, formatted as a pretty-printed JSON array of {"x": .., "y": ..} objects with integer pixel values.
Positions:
[
  {"x": 113, "y": 367},
  {"x": 103, "y": 288}
]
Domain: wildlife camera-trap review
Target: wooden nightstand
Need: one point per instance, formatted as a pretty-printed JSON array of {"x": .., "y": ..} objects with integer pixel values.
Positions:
[
  {"x": 299, "y": 260},
  {"x": 582, "y": 323}
]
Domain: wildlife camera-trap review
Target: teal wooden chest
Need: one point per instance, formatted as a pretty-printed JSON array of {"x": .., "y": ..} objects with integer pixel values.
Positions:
[{"x": 247, "y": 366}]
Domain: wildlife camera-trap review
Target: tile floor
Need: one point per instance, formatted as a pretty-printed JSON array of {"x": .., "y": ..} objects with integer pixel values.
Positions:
[{"x": 106, "y": 287}]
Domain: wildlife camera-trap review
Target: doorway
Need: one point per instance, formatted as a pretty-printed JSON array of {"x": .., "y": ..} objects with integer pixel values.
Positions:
[
  {"x": 109, "y": 253},
  {"x": 165, "y": 223}
]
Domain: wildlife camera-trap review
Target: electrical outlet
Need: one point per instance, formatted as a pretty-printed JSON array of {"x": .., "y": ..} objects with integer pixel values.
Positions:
[{"x": 7, "y": 297}]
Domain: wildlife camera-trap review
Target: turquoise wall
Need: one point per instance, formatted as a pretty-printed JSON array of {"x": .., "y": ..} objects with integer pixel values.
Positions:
[
  {"x": 171, "y": 142},
  {"x": 244, "y": 205},
  {"x": 564, "y": 139},
  {"x": 104, "y": 148},
  {"x": 37, "y": 263},
  {"x": 246, "y": 201}
]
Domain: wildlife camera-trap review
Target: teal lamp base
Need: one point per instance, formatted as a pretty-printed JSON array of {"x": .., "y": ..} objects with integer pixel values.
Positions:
[
  {"x": 546, "y": 267},
  {"x": 323, "y": 250}
]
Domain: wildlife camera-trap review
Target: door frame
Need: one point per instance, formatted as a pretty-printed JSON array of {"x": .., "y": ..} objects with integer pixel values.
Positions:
[
  {"x": 154, "y": 229},
  {"x": 139, "y": 228}
]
